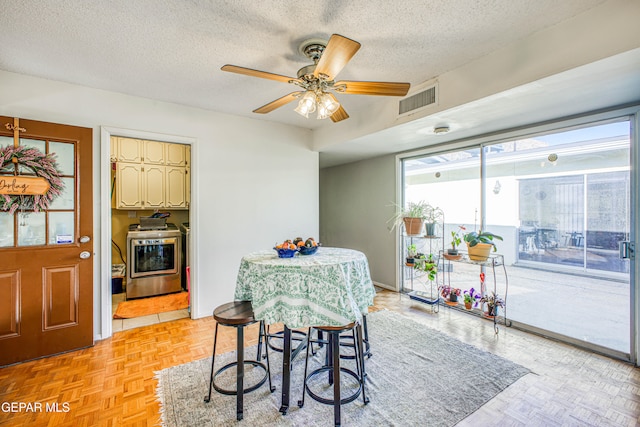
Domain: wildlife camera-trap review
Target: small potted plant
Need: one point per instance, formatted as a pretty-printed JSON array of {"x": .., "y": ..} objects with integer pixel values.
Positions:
[
  {"x": 470, "y": 297},
  {"x": 493, "y": 301},
  {"x": 479, "y": 244},
  {"x": 412, "y": 251},
  {"x": 432, "y": 216},
  {"x": 456, "y": 239},
  {"x": 412, "y": 216},
  {"x": 426, "y": 264},
  {"x": 450, "y": 294}
]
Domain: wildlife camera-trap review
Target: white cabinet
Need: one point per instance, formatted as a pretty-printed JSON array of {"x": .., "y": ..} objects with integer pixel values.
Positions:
[
  {"x": 154, "y": 186},
  {"x": 158, "y": 179},
  {"x": 175, "y": 155},
  {"x": 129, "y": 186},
  {"x": 154, "y": 152},
  {"x": 128, "y": 150},
  {"x": 175, "y": 195}
]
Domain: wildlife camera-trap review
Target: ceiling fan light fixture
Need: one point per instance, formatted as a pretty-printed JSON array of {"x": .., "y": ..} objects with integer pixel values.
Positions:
[
  {"x": 327, "y": 105},
  {"x": 307, "y": 104}
]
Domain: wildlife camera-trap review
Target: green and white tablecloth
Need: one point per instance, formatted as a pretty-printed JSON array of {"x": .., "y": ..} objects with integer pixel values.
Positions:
[{"x": 333, "y": 287}]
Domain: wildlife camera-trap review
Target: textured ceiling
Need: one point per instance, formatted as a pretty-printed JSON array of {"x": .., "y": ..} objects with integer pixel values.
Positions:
[{"x": 172, "y": 50}]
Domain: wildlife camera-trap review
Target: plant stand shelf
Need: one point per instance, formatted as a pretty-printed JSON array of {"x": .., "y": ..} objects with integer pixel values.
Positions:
[
  {"x": 415, "y": 283},
  {"x": 495, "y": 261},
  {"x": 425, "y": 297}
]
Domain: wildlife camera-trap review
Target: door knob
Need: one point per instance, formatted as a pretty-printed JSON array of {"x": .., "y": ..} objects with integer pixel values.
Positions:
[{"x": 85, "y": 254}]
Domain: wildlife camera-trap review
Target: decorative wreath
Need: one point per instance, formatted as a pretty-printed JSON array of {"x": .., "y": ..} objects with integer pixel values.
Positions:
[{"x": 43, "y": 165}]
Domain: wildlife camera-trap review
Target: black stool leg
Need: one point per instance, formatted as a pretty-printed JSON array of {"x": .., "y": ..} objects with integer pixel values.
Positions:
[
  {"x": 360, "y": 351},
  {"x": 306, "y": 365},
  {"x": 367, "y": 346},
  {"x": 266, "y": 352},
  {"x": 213, "y": 360},
  {"x": 261, "y": 332},
  {"x": 240, "y": 374},
  {"x": 335, "y": 337}
]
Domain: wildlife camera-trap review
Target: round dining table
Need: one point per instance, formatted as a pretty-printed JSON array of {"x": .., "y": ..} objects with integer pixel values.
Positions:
[{"x": 332, "y": 287}]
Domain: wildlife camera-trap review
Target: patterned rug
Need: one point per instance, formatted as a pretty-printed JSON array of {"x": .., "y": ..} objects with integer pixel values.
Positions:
[
  {"x": 416, "y": 376},
  {"x": 152, "y": 305}
]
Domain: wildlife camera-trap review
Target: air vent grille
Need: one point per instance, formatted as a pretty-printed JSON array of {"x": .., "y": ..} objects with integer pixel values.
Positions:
[{"x": 417, "y": 101}]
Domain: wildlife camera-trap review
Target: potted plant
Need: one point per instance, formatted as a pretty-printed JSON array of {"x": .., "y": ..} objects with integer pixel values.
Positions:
[
  {"x": 470, "y": 297},
  {"x": 450, "y": 294},
  {"x": 479, "y": 244},
  {"x": 456, "y": 239},
  {"x": 412, "y": 216},
  {"x": 431, "y": 217},
  {"x": 493, "y": 301},
  {"x": 412, "y": 251},
  {"x": 426, "y": 264}
]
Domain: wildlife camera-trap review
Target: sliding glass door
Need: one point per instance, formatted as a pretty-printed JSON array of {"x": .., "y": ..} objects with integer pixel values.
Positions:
[{"x": 561, "y": 202}]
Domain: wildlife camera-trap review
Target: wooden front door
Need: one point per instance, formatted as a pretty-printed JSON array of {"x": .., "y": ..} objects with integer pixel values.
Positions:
[{"x": 46, "y": 256}]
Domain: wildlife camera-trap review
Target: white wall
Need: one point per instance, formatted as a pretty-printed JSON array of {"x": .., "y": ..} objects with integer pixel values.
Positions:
[{"x": 254, "y": 182}]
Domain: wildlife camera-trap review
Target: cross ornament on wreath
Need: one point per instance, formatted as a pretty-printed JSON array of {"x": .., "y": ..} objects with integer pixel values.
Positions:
[{"x": 18, "y": 192}]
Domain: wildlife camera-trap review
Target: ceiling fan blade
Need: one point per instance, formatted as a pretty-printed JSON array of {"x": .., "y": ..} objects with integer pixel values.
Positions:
[
  {"x": 277, "y": 103},
  {"x": 340, "y": 113},
  {"x": 374, "y": 88},
  {"x": 338, "y": 52},
  {"x": 257, "y": 73}
]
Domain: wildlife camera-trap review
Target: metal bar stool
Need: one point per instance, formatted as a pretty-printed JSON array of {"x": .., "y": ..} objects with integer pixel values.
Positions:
[
  {"x": 238, "y": 314},
  {"x": 365, "y": 340},
  {"x": 334, "y": 369}
]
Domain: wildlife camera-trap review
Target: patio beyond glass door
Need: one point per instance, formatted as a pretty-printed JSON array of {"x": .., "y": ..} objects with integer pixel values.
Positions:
[
  {"x": 569, "y": 195},
  {"x": 561, "y": 202}
]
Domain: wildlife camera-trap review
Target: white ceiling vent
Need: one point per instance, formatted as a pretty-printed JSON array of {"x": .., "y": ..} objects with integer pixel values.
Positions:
[{"x": 418, "y": 101}]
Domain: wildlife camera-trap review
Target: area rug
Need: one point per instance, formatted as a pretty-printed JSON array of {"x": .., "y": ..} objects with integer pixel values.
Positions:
[
  {"x": 416, "y": 376},
  {"x": 152, "y": 305}
]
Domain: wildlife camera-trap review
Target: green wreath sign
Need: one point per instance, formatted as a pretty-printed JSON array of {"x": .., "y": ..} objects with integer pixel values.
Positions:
[{"x": 43, "y": 165}]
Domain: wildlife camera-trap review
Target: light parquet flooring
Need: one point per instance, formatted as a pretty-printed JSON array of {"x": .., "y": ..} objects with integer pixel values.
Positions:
[{"x": 113, "y": 384}]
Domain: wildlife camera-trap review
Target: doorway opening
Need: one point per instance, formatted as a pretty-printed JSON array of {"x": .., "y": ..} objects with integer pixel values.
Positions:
[{"x": 146, "y": 181}]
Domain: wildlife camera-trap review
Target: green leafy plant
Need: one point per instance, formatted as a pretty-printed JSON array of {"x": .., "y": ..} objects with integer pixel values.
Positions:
[
  {"x": 456, "y": 238},
  {"x": 433, "y": 214},
  {"x": 412, "y": 250},
  {"x": 428, "y": 265},
  {"x": 420, "y": 209},
  {"x": 474, "y": 237}
]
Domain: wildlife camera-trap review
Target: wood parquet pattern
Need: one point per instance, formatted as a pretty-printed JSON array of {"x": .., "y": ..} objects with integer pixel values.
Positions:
[{"x": 113, "y": 383}]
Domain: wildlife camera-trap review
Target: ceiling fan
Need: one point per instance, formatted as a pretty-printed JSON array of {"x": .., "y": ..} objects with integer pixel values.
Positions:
[{"x": 318, "y": 80}]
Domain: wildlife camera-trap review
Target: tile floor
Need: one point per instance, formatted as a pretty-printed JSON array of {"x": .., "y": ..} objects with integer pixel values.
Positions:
[{"x": 136, "y": 322}]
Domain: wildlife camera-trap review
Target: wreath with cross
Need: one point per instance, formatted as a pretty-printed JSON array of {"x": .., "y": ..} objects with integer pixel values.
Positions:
[{"x": 42, "y": 165}]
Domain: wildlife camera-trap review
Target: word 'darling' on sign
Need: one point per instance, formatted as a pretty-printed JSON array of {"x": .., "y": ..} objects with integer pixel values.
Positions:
[{"x": 23, "y": 185}]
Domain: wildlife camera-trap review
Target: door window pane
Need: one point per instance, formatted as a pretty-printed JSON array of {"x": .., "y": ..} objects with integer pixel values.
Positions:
[
  {"x": 61, "y": 228},
  {"x": 31, "y": 229},
  {"x": 64, "y": 154},
  {"x": 6, "y": 229},
  {"x": 40, "y": 145},
  {"x": 66, "y": 199},
  {"x": 5, "y": 141}
]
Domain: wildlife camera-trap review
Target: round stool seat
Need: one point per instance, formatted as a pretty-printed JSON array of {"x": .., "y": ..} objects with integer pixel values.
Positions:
[
  {"x": 234, "y": 313},
  {"x": 336, "y": 328}
]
